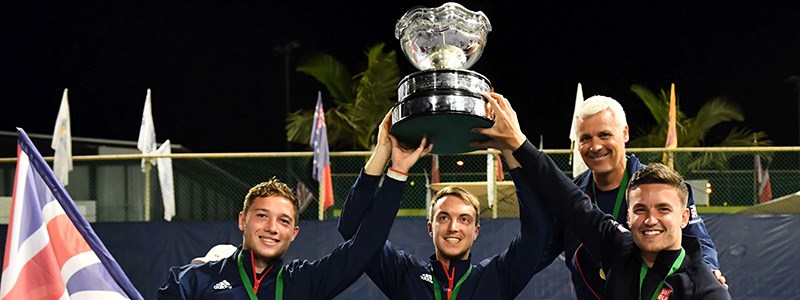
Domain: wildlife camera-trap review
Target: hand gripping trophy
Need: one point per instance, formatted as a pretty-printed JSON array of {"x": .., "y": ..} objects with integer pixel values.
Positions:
[{"x": 443, "y": 100}]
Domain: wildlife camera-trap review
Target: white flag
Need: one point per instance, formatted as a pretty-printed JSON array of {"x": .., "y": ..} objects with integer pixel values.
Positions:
[
  {"x": 578, "y": 166},
  {"x": 491, "y": 179},
  {"x": 165, "y": 179},
  {"x": 147, "y": 131},
  {"x": 62, "y": 142},
  {"x": 428, "y": 194}
]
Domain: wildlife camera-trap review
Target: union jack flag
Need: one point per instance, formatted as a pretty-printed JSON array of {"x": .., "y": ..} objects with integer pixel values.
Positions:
[{"x": 51, "y": 251}]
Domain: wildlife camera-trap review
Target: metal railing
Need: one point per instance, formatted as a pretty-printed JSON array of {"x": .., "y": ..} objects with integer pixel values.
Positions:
[{"x": 212, "y": 186}]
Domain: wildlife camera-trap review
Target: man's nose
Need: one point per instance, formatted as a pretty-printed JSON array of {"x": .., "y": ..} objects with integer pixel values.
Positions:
[
  {"x": 650, "y": 219},
  {"x": 269, "y": 225},
  {"x": 452, "y": 225},
  {"x": 594, "y": 146}
]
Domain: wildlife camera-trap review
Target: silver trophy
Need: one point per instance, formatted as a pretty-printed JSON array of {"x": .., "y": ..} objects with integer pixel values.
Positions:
[{"x": 443, "y": 100}]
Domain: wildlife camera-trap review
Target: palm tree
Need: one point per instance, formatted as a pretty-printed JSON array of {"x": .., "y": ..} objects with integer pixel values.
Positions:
[
  {"x": 361, "y": 101},
  {"x": 692, "y": 131}
]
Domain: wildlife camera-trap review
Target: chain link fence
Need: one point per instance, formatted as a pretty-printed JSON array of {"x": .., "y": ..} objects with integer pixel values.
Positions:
[{"x": 212, "y": 186}]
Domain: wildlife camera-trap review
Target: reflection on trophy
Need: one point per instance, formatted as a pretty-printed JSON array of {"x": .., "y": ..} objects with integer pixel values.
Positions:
[{"x": 443, "y": 100}]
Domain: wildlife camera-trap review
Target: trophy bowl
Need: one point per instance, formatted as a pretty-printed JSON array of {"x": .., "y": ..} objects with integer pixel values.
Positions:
[{"x": 443, "y": 100}]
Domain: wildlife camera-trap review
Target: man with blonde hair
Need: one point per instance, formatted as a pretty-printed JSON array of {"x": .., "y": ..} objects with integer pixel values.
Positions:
[{"x": 453, "y": 225}]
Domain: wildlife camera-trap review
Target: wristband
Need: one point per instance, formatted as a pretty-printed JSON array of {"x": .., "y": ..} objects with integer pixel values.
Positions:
[{"x": 397, "y": 171}]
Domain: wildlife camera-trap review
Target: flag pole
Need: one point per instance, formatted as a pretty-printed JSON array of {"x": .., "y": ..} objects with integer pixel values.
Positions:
[
  {"x": 147, "y": 168},
  {"x": 321, "y": 206}
]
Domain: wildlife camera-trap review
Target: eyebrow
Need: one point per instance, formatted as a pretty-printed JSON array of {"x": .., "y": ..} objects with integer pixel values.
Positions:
[{"x": 267, "y": 211}]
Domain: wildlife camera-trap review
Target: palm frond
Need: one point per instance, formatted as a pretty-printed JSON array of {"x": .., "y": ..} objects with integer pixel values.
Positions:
[
  {"x": 331, "y": 73},
  {"x": 298, "y": 126},
  {"x": 712, "y": 113}
]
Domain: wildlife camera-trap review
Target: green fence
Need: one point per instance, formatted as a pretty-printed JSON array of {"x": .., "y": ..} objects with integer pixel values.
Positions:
[{"x": 212, "y": 186}]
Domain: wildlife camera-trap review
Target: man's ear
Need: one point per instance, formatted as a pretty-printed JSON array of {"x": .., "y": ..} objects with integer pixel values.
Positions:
[
  {"x": 685, "y": 217},
  {"x": 241, "y": 221},
  {"x": 625, "y": 135},
  {"x": 477, "y": 232},
  {"x": 296, "y": 231},
  {"x": 430, "y": 229}
]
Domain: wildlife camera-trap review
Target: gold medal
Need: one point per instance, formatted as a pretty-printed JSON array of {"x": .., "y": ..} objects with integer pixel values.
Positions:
[{"x": 602, "y": 274}]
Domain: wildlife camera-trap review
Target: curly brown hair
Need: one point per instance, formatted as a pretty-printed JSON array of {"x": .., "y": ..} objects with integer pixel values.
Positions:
[{"x": 271, "y": 187}]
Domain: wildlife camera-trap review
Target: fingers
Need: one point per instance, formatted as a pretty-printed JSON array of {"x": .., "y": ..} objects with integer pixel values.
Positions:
[{"x": 722, "y": 280}]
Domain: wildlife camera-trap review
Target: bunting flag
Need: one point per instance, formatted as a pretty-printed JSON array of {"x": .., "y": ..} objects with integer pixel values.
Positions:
[
  {"x": 165, "y": 180},
  {"x": 322, "y": 163},
  {"x": 51, "y": 251},
  {"x": 62, "y": 142},
  {"x": 428, "y": 194},
  {"x": 575, "y": 159},
  {"x": 491, "y": 180},
  {"x": 672, "y": 130},
  {"x": 500, "y": 173},
  {"x": 435, "y": 168},
  {"x": 762, "y": 181},
  {"x": 147, "y": 131}
]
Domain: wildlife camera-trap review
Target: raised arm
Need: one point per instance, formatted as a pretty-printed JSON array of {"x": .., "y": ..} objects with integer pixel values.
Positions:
[
  {"x": 521, "y": 260},
  {"x": 360, "y": 196},
  {"x": 594, "y": 228},
  {"x": 335, "y": 272}
]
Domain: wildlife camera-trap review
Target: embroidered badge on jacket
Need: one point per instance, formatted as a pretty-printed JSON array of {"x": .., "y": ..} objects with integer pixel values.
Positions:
[{"x": 223, "y": 285}]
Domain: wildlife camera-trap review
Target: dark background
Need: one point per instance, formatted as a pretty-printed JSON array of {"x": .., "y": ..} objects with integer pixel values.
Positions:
[{"x": 218, "y": 83}]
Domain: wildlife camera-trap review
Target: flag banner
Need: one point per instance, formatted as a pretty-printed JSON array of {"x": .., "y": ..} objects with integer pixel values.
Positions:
[
  {"x": 672, "y": 130},
  {"x": 428, "y": 194},
  {"x": 575, "y": 159},
  {"x": 763, "y": 183},
  {"x": 304, "y": 195},
  {"x": 500, "y": 173},
  {"x": 491, "y": 180},
  {"x": 322, "y": 161},
  {"x": 62, "y": 142},
  {"x": 165, "y": 179},
  {"x": 147, "y": 131},
  {"x": 435, "y": 168},
  {"x": 51, "y": 251}
]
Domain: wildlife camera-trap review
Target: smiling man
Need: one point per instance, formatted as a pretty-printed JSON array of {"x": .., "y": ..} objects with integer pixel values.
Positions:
[
  {"x": 653, "y": 260},
  {"x": 453, "y": 225},
  {"x": 268, "y": 221},
  {"x": 602, "y": 130}
]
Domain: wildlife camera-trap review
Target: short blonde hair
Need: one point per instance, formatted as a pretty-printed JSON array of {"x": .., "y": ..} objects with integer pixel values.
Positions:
[{"x": 462, "y": 194}]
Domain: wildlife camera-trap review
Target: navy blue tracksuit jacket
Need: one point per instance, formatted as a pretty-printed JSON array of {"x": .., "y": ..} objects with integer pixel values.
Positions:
[{"x": 401, "y": 275}]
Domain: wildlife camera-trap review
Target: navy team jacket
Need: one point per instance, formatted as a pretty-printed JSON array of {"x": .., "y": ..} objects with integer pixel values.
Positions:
[
  {"x": 400, "y": 275},
  {"x": 613, "y": 245},
  {"x": 302, "y": 279},
  {"x": 584, "y": 268}
]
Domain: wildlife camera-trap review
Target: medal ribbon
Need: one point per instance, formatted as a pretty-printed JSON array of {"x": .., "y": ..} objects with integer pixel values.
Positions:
[
  {"x": 252, "y": 290},
  {"x": 675, "y": 265},
  {"x": 451, "y": 294}
]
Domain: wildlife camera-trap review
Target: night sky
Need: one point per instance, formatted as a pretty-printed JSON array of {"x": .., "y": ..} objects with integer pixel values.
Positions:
[{"x": 218, "y": 83}]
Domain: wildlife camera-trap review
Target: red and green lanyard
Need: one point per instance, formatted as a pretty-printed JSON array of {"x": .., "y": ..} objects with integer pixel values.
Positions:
[
  {"x": 452, "y": 293},
  {"x": 252, "y": 290},
  {"x": 675, "y": 265}
]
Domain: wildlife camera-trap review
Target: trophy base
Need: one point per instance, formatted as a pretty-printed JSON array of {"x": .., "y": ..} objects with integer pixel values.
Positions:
[
  {"x": 443, "y": 105},
  {"x": 450, "y": 130}
]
